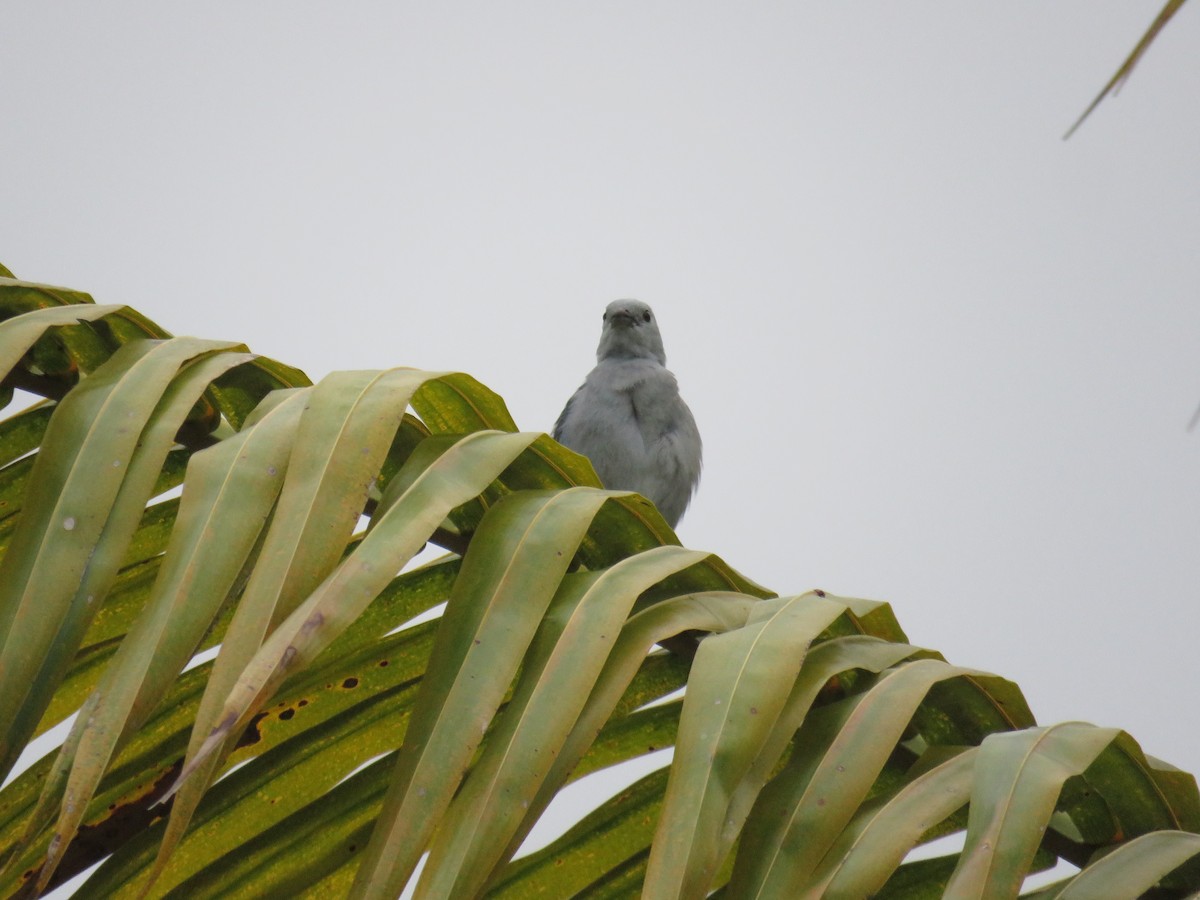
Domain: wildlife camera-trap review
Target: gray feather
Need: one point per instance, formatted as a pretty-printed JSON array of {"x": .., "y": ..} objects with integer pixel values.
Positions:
[{"x": 628, "y": 417}]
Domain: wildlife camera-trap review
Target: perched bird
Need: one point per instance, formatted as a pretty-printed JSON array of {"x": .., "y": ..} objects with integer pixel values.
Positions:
[{"x": 628, "y": 417}]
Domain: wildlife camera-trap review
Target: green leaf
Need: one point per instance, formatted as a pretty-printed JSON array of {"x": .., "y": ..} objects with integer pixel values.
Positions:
[
  {"x": 740, "y": 685},
  {"x": 19, "y": 334},
  {"x": 86, "y": 503},
  {"x": 455, "y": 477},
  {"x": 557, "y": 676},
  {"x": 875, "y": 842},
  {"x": 348, "y": 706},
  {"x": 1133, "y": 868},
  {"x": 230, "y": 494},
  {"x": 1019, "y": 776},
  {"x": 814, "y": 747},
  {"x": 710, "y": 611},
  {"x": 344, "y": 434},
  {"x": 837, "y": 759},
  {"x": 508, "y": 579},
  {"x": 593, "y": 854}
]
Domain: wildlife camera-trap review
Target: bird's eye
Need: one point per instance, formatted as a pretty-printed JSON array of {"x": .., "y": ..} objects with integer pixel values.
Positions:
[{"x": 646, "y": 316}]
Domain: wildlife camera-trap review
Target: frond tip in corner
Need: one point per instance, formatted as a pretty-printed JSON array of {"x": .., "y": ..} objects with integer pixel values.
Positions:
[{"x": 1122, "y": 74}]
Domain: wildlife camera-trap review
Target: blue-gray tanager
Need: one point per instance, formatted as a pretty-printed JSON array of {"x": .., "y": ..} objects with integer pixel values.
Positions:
[{"x": 628, "y": 417}]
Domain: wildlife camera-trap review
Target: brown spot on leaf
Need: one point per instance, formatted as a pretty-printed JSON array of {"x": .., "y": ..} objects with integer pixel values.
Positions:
[
  {"x": 100, "y": 839},
  {"x": 251, "y": 735}
]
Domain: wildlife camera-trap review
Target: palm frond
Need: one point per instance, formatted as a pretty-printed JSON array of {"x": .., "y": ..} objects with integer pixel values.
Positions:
[
  {"x": 1122, "y": 74},
  {"x": 346, "y": 727}
]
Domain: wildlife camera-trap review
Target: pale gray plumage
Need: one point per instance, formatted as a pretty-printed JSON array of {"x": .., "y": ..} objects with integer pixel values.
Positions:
[{"x": 628, "y": 417}]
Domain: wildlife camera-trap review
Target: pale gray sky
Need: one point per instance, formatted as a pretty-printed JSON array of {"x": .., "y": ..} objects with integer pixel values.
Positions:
[{"x": 938, "y": 356}]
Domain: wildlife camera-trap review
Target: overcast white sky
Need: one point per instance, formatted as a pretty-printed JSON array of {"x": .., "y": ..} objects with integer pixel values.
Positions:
[{"x": 938, "y": 356}]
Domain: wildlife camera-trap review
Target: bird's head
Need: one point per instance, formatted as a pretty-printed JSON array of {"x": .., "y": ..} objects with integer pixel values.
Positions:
[{"x": 630, "y": 332}]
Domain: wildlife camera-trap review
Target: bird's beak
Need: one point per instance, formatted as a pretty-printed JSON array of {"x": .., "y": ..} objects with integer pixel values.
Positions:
[{"x": 623, "y": 316}]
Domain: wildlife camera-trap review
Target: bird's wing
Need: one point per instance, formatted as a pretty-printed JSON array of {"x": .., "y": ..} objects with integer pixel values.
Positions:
[{"x": 557, "y": 434}]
